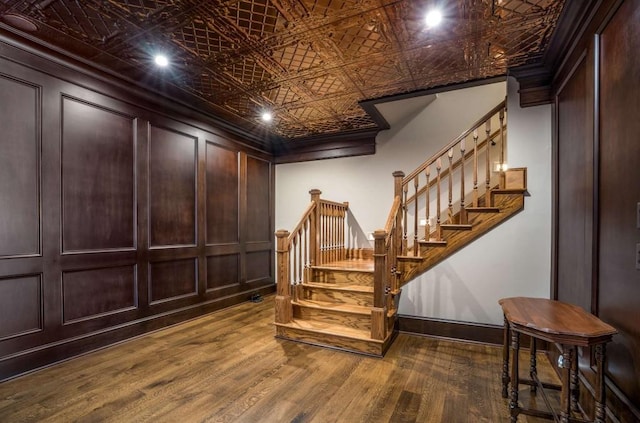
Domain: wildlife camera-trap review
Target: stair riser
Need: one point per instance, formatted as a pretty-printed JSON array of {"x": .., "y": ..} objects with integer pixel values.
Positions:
[
  {"x": 359, "y": 346},
  {"x": 356, "y": 321},
  {"x": 364, "y": 299},
  {"x": 342, "y": 277}
]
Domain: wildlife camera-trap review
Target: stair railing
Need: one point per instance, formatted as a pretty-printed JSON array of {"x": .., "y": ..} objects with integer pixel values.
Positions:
[
  {"x": 318, "y": 238},
  {"x": 458, "y": 176}
]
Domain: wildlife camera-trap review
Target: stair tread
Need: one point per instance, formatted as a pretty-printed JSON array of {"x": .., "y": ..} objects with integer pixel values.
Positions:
[
  {"x": 483, "y": 209},
  {"x": 456, "y": 226},
  {"x": 337, "y": 287},
  {"x": 329, "y": 329},
  {"x": 359, "y": 265},
  {"x": 326, "y": 305},
  {"x": 509, "y": 190},
  {"x": 433, "y": 242}
]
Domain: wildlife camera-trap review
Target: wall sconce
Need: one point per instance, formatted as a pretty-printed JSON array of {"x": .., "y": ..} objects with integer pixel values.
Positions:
[{"x": 500, "y": 167}]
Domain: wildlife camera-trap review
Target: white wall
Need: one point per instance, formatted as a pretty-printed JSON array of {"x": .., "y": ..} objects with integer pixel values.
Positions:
[{"x": 513, "y": 259}]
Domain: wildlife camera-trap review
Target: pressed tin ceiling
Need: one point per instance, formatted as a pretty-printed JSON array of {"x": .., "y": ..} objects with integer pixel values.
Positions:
[{"x": 310, "y": 62}]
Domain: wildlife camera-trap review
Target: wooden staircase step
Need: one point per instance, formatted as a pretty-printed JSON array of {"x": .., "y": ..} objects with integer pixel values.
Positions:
[
  {"x": 349, "y": 294},
  {"x": 332, "y": 306},
  {"x": 329, "y": 329},
  {"x": 433, "y": 243},
  {"x": 332, "y": 336},
  {"x": 455, "y": 227},
  {"x": 482, "y": 209},
  {"x": 341, "y": 276},
  {"x": 336, "y": 287},
  {"x": 508, "y": 191}
]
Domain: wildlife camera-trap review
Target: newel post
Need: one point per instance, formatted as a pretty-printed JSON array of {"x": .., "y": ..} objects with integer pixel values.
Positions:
[
  {"x": 314, "y": 231},
  {"x": 398, "y": 175},
  {"x": 379, "y": 311},
  {"x": 284, "y": 309}
]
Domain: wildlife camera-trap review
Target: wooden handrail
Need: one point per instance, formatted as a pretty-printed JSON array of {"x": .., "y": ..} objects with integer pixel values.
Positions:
[
  {"x": 305, "y": 216},
  {"x": 395, "y": 208},
  {"x": 453, "y": 143}
]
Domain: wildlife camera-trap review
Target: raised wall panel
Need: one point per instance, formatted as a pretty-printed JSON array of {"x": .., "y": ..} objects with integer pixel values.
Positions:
[
  {"x": 258, "y": 200},
  {"x": 172, "y": 188},
  {"x": 222, "y": 271},
  {"x": 259, "y": 265},
  {"x": 619, "y": 280},
  {"x": 222, "y": 195},
  {"x": 575, "y": 188},
  {"x": 20, "y": 306},
  {"x": 98, "y": 179},
  {"x": 96, "y": 292},
  {"x": 19, "y": 168},
  {"x": 172, "y": 279}
]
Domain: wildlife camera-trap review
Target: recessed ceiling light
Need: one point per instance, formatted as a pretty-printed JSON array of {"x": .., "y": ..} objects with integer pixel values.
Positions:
[
  {"x": 433, "y": 18},
  {"x": 267, "y": 116},
  {"x": 161, "y": 60}
]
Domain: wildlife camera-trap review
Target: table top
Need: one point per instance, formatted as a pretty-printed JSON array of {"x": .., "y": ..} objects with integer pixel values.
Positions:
[{"x": 556, "y": 321}]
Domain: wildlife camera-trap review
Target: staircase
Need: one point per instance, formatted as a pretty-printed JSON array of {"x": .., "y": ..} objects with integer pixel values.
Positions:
[{"x": 336, "y": 295}]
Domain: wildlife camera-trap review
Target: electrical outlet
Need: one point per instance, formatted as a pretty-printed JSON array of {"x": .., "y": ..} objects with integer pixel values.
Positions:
[{"x": 638, "y": 256}]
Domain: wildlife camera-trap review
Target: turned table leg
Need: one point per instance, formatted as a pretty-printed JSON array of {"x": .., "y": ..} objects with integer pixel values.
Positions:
[
  {"x": 533, "y": 363},
  {"x": 505, "y": 360},
  {"x": 565, "y": 394},
  {"x": 600, "y": 388},
  {"x": 515, "y": 378}
]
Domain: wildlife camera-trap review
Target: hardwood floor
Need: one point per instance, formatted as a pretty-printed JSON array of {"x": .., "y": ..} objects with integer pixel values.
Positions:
[{"x": 228, "y": 367}]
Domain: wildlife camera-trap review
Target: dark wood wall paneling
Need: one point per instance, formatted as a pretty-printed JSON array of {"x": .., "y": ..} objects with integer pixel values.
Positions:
[
  {"x": 117, "y": 219},
  {"x": 597, "y": 99}
]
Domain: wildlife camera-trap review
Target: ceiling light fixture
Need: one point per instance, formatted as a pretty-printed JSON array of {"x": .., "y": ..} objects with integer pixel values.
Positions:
[
  {"x": 267, "y": 116},
  {"x": 433, "y": 18},
  {"x": 161, "y": 60}
]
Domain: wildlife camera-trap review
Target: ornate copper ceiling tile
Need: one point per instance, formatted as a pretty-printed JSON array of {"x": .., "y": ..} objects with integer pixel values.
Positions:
[{"x": 311, "y": 62}]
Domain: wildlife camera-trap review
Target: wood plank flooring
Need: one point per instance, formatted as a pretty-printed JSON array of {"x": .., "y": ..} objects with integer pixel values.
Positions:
[{"x": 228, "y": 367}]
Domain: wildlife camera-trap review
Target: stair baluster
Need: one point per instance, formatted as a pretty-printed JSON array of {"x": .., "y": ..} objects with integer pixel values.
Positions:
[
  {"x": 487, "y": 153},
  {"x": 438, "y": 231},
  {"x": 462, "y": 217},
  {"x": 415, "y": 216},
  {"x": 475, "y": 168},
  {"x": 427, "y": 214},
  {"x": 450, "y": 207}
]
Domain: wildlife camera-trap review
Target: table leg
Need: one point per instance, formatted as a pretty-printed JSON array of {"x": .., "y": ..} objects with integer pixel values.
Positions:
[
  {"x": 515, "y": 378},
  {"x": 505, "y": 360},
  {"x": 565, "y": 393},
  {"x": 532, "y": 363},
  {"x": 600, "y": 388},
  {"x": 574, "y": 387}
]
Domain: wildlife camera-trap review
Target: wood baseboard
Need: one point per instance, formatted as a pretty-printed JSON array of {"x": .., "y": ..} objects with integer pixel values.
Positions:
[
  {"x": 451, "y": 329},
  {"x": 50, "y": 354}
]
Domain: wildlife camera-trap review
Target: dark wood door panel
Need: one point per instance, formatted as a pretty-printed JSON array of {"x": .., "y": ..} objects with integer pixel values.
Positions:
[
  {"x": 222, "y": 195},
  {"x": 19, "y": 167},
  {"x": 98, "y": 178},
  {"x": 172, "y": 188},
  {"x": 619, "y": 280},
  {"x": 258, "y": 188},
  {"x": 20, "y": 306}
]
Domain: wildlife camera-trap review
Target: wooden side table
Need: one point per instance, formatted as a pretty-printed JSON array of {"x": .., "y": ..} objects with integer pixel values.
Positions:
[{"x": 564, "y": 324}]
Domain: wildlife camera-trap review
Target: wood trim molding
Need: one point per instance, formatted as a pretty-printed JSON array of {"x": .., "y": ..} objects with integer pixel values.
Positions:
[
  {"x": 480, "y": 333},
  {"x": 357, "y": 143},
  {"x": 536, "y": 79},
  {"x": 452, "y": 329}
]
